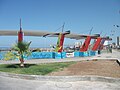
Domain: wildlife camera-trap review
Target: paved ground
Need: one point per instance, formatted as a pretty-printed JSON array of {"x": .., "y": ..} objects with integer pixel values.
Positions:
[
  {"x": 115, "y": 55},
  {"x": 21, "y": 84},
  {"x": 7, "y": 83}
]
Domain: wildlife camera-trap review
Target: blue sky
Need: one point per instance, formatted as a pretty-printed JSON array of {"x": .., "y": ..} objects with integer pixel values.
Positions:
[{"x": 48, "y": 15}]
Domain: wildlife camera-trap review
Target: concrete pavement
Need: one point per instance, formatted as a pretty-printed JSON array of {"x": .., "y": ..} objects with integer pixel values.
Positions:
[
  {"x": 114, "y": 55},
  {"x": 7, "y": 83}
]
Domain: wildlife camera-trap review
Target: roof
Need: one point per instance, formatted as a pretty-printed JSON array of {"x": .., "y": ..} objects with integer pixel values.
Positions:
[{"x": 43, "y": 34}]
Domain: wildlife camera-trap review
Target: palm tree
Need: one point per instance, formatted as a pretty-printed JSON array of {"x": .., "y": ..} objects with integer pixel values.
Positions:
[{"x": 22, "y": 48}]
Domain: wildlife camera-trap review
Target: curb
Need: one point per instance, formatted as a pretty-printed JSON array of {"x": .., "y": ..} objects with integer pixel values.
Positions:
[{"x": 62, "y": 78}]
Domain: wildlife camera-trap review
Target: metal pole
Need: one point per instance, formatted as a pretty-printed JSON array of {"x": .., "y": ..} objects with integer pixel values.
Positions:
[{"x": 63, "y": 26}]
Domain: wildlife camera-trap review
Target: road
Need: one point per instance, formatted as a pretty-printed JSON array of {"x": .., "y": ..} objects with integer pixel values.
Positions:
[{"x": 7, "y": 83}]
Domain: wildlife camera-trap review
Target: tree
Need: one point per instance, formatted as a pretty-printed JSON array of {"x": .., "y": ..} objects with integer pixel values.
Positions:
[{"x": 22, "y": 48}]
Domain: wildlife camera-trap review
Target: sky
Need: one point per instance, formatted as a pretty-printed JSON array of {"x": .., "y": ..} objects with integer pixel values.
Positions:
[{"x": 48, "y": 15}]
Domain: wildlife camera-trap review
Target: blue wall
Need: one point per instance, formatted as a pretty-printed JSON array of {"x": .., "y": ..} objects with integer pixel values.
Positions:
[
  {"x": 39, "y": 55},
  {"x": 60, "y": 55},
  {"x": 56, "y": 55},
  {"x": 1, "y": 55},
  {"x": 84, "y": 54}
]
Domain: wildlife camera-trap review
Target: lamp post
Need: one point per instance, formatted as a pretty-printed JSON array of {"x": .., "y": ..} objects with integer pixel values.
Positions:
[{"x": 117, "y": 28}]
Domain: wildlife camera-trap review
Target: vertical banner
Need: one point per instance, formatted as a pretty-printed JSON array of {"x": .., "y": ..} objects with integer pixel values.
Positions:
[
  {"x": 60, "y": 41},
  {"x": 20, "y": 36},
  {"x": 97, "y": 44},
  {"x": 86, "y": 44}
]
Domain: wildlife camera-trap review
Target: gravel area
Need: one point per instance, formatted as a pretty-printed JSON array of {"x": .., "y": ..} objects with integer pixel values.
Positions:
[{"x": 107, "y": 68}]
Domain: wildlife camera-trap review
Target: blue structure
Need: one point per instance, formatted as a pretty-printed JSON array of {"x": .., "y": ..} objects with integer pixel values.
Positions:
[
  {"x": 41, "y": 55},
  {"x": 63, "y": 54},
  {"x": 81, "y": 54},
  {"x": 76, "y": 54},
  {"x": 84, "y": 54},
  {"x": 52, "y": 55},
  {"x": 60, "y": 55},
  {"x": 92, "y": 53},
  {"x": 2, "y": 55}
]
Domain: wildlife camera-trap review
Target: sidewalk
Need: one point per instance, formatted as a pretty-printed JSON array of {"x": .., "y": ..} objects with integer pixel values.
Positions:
[{"x": 113, "y": 55}]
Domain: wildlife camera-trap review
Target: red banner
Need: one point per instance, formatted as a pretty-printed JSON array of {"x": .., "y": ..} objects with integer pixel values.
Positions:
[
  {"x": 97, "y": 44},
  {"x": 20, "y": 36},
  {"x": 86, "y": 44}
]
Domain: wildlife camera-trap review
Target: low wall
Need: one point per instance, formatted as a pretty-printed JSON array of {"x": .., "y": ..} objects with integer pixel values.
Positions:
[
  {"x": 45, "y": 55},
  {"x": 84, "y": 54}
]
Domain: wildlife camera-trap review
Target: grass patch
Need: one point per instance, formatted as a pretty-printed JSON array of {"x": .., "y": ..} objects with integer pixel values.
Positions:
[{"x": 34, "y": 69}]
